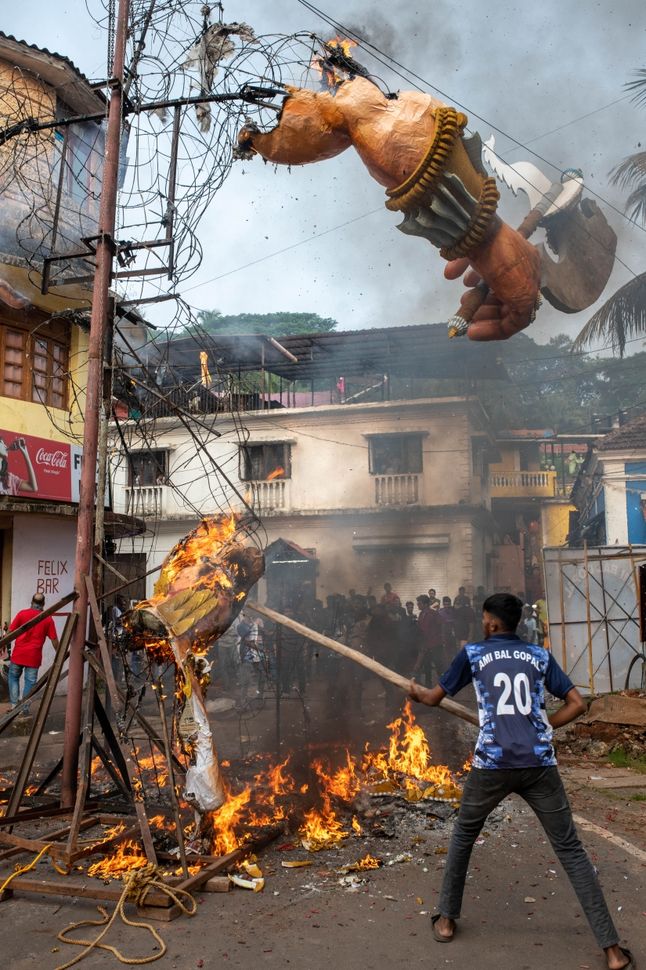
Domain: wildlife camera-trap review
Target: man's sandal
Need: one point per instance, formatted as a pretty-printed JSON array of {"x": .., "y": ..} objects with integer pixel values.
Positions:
[
  {"x": 632, "y": 963},
  {"x": 436, "y": 934}
]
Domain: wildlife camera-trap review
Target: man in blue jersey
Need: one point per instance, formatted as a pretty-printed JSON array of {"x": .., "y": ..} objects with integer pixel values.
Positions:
[{"x": 514, "y": 753}]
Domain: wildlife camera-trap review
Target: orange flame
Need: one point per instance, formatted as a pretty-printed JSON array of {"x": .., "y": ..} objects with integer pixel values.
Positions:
[
  {"x": 195, "y": 558},
  {"x": 276, "y": 473},
  {"x": 128, "y": 856},
  {"x": 343, "y": 783},
  {"x": 367, "y": 862},
  {"x": 409, "y": 755},
  {"x": 225, "y": 820},
  {"x": 322, "y": 829},
  {"x": 405, "y": 766},
  {"x": 333, "y": 74}
]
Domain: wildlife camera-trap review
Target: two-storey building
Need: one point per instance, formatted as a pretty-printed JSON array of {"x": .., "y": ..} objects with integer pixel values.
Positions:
[
  {"x": 530, "y": 486},
  {"x": 383, "y": 478},
  {"x": 610, "y": 491}
]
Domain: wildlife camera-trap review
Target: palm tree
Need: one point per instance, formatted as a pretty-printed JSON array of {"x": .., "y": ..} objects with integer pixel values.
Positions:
[{"x": 624, "y": 314}]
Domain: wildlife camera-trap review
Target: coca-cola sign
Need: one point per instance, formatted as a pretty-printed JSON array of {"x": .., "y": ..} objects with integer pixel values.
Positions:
[
  {"x": 33, "y": 467},
  {"x": 55, "y": 459}
]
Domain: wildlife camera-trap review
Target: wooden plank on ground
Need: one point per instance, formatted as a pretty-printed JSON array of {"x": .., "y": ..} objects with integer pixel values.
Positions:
[
  {"x": 88, "y": 889},
  {"x": 87, "y": 823}
]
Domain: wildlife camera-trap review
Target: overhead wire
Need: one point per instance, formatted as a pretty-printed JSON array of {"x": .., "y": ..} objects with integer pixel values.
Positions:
[{"x": 388, "y": 60}]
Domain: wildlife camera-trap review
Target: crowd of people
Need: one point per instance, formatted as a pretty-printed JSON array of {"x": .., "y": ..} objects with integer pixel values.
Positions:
[{"x": 416, "y": 638}]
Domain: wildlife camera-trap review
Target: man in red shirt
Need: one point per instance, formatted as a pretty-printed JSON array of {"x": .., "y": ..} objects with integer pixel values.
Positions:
[
  {"x": 431, "y": 655},
  {"x": 390, "y": 599},
  {"x": 27, "y": 651}
]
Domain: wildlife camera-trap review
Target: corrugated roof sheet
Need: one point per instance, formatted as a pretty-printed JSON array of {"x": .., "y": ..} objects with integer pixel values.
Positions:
[
  {"x": 55, "y": 69},
  {"x": 423, "y": 350}
]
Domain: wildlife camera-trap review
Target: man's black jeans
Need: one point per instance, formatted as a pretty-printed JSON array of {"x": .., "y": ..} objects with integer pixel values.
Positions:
[{"x": 543, "y": 791}]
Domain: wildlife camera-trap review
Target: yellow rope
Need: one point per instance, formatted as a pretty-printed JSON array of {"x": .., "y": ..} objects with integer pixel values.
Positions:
[
  {"x": 137, "y": 887},
  {"x": 19, "y": 871}
]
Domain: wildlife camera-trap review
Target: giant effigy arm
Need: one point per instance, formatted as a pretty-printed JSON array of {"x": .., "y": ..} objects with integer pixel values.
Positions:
[{"x": 415, "y": 147}]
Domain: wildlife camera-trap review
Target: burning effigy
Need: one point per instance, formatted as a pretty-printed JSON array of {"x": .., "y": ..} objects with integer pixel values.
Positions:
[
  {"x": 415, "y": 146},
  {"x": 202, "y": 587}
]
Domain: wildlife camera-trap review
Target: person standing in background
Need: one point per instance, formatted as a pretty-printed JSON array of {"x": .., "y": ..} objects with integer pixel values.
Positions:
[
  {"x": 540, "y": 608},
  {"x": 430, "y": 655},
  {"x": 27, "y": 652}
]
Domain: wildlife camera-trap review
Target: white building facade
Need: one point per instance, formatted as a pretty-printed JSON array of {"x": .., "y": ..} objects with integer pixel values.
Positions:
[
  {"x": 350, "y": 495},
  {"x": 610, "y": 492}
]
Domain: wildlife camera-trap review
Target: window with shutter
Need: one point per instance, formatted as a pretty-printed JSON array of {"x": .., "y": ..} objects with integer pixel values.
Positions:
[{"x": 34, "y": 362}]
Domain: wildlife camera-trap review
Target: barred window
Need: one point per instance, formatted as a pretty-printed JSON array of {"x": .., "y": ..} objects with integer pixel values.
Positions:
[
  {"x": 265, "y": 462},
  {"x": 395, "y": 454},
  {"x": 148, "y": 468}
]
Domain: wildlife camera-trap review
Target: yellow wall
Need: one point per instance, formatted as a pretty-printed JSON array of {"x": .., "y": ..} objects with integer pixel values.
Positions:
[
  {"x": 555, "y": 521},
  {"x": 510, "y": 457},
  {"x": 25, "y": 417}
]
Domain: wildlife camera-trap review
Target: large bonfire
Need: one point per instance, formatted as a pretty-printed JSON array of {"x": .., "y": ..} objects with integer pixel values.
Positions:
[{"x": 320, "y": 812}]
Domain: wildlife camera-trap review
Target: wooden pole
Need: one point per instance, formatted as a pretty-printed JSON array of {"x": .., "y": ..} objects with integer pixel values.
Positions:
[
  {"x": 146, "y": 836},
  {"x": 385, "y": 672},
  {"x": 39, "y": 721},
  {"x": 85, "y": 532}
]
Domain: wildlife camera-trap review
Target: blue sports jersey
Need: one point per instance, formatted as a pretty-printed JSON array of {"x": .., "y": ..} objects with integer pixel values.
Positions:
[{"x": 509, "y": 677}]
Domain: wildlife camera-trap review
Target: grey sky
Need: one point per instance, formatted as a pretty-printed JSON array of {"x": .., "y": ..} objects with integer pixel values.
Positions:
[{"x": 524, "y": 68}]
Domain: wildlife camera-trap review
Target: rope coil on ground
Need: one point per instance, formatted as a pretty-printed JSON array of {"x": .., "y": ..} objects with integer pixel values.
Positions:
[{"x": 137, "y": 887}]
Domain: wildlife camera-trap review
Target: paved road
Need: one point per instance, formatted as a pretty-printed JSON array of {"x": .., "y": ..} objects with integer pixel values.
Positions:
[{"x": 306, "y": 919}]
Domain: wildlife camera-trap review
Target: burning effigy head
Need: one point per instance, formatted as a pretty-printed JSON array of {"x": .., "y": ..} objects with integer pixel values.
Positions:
[{"x": 202, "y": 587}]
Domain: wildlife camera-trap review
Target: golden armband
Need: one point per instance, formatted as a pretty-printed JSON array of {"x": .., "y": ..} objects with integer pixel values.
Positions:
[{"x": 448, "y": 199}]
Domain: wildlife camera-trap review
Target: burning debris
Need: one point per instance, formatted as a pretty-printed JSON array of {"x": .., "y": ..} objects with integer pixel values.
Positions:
[
  {"x": 326, "y": 810},
  {"x": 201, "y": 589}
]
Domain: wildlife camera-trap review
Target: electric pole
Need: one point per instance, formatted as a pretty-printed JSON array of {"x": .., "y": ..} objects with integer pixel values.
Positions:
[{"x": 85, "y": 536}]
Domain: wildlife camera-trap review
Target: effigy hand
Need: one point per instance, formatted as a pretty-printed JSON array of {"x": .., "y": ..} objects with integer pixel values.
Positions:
[{"x": 510, "y": 267}]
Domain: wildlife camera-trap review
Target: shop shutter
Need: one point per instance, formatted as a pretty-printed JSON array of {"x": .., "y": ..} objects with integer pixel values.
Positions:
[{"x": 409, "y": 571}]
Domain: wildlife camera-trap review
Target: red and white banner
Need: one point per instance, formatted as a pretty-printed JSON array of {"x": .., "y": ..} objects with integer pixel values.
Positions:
[{"x": 38, "y": 468}]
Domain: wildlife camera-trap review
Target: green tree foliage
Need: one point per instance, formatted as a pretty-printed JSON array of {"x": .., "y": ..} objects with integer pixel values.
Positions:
[
  {"x": 550, "y": 386},
  {"x": 269, "y": 324},
  {"x": 623, "y": 316},
  {"x": 554, "y": 386}
]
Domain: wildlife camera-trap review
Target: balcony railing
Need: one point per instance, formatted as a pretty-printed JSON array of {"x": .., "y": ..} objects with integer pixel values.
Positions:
[
  {"x": 270, "y": 496},
  {"x": 514, "y": 484},
  {"x": 146, "y": 501},
  {"x": 397, "y": 489}
]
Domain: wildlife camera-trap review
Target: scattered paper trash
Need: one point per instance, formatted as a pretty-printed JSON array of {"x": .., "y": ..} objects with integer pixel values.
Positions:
[{"x": 256, "y": 885}]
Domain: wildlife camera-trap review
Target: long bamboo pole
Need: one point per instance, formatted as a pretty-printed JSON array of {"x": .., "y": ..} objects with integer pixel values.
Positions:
[{"x": 385, "y": 672}]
